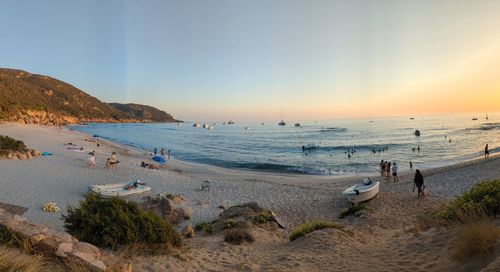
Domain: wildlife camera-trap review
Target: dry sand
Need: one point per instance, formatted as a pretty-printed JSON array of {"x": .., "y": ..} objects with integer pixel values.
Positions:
[{"x": 381, "y": 241}]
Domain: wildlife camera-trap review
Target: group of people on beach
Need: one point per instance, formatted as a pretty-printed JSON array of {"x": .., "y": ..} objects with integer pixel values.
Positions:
[
  {"x": 386, "y": 167},
  {"x": 163, "y": 152},
  {"x": 111, "y": 162}
]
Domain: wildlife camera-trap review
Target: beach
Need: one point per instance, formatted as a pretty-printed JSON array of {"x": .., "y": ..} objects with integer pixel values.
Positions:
[{"x": 381, "y": 238}]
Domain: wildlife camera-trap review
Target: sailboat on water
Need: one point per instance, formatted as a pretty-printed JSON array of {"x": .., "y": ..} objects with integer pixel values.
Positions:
[
  {"x": 486, "y": 116},
  {"x": 282, "y": 123}
]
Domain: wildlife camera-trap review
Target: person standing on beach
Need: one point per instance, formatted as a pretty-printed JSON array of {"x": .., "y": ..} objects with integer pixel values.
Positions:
[
  {"x": 162, "y": 152},
  {"x": 169, "y": 153},
  {"x": 418, "y": 182},
  {"x": 395, "y": 172},
  {"x": 382, "y": 167},
  {"x": 486, "y": 152},
  {"x": 411, "y": 165},
  {"x": 156, "y": 151},
  {"x": 388, "y": 169}
]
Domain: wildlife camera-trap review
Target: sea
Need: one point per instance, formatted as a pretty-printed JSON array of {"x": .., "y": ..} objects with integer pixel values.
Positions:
[{"x": 342, "y": 147}]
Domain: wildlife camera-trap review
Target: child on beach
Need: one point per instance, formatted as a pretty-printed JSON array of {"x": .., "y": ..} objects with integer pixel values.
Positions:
[
  {"x": 418, "y": 182},
  {"x": 486, "y": 152},
  {"x": 91, "y": 160},
  {"x": 111, "y": 162},
  {"x": 382, "y": 167}
]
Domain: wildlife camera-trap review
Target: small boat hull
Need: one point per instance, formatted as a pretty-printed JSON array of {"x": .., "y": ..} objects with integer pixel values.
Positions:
[
  {"x": 118, "y": 189},
  {"x": 361, "y": 192}
]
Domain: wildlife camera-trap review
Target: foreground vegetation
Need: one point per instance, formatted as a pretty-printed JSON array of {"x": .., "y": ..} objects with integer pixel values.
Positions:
[
  {"x": 474, "y": 211},
  {"x": 114, "y": 222},
  {"x": 309, "y": 227},
  {"x": 483, "y": 196}
]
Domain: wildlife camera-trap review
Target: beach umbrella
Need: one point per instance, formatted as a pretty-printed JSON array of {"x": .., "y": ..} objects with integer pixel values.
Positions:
[{"x": 159, "y": 159}]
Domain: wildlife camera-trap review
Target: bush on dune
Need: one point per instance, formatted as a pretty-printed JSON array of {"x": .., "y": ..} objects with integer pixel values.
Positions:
[
  {"x": 11, "y": 144},
  {"x": 309, "y": 227},
  {"x": 483, "y": 196},
  {"x": 353, "y": 210},
  {"x": 114, "y": 222},
  {"x": 238, "y": 235}
]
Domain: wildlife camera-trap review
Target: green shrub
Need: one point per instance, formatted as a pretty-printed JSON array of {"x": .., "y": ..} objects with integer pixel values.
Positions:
[
  {"x": 230, "y": 223},
  {"x": 205, "y": 226},
  {"x": 309, "y": 227},
  {"x": 8, "y": 143},
  {"x": 238, "y": 236},
  {"x": 353, "y": 210},
  {"x": 114, "y": 222},
  {"x": 483, "y": 196},
  {"x": 263, "y": 217}
]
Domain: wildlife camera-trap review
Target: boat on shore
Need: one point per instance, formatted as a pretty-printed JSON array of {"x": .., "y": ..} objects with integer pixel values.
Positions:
[
  {"x": 120, "y": 189},
  {"x": 361, "y": 192}
]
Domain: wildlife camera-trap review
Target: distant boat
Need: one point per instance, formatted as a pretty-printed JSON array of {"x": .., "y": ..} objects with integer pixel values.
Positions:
[
  {"x": 205, "y": 125},
  {"x": 282, "y": 123},
  {"x": 231, "y": 122},
  {"x": 474, "y": 119},
  {"x": 486, "y": 116},
  {"x": 247, "y": 128},
  {"x": 210, "y": 127},
  {"x": 262, "y": 123},
  {"x": 196, "y": 125},
  {"x": 297, "y": 125},
  {"x": 417, "y": 132},
  {"x": 411, "y": 118},
  {"x": 224, "y": 123}
]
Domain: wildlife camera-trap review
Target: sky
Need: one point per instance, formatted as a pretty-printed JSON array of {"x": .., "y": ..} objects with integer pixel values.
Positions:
[{"x": 246, "y": 60}]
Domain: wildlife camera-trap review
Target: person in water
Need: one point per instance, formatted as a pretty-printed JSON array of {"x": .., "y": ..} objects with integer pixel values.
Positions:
[
  {"x": 418, "y": 182},
  {"x": 388, "y": 169},
  {"x": 169, "y": 153},
  {"x": 486, "y": 152}
]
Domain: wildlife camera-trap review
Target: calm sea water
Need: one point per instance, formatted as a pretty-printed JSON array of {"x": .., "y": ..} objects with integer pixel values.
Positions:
[{"x": 274, "y": 148}]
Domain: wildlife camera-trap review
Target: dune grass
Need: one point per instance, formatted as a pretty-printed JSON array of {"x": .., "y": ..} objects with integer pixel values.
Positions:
[
  {"x": 353, "y": 210},
  {"x": 478, "y": 234},
  {"x": 12, "y": 260},
  {"x": 207, "y": 227},
  {"x": 238, "y": 236},
  {"x": 309, "y": 227}
]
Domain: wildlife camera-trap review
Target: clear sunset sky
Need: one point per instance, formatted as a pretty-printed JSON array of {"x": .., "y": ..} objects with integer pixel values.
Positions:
[{"x": 244, "y": 60}]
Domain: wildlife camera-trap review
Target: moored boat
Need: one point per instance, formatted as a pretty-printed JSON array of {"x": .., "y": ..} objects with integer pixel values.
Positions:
[
  {"x": 196, "y": 125},
  {"x": 361, "y": 192},
  {"x": 120, "y": 189}
]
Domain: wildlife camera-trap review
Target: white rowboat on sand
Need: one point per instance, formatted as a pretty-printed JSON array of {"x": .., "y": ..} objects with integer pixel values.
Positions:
[
  {"x": 361, "y": 192},
  {"x": 118, "y": 189}
]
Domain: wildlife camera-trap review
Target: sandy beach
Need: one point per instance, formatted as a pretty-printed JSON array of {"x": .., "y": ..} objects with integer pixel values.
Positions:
[{"x": 381, "y": 238}]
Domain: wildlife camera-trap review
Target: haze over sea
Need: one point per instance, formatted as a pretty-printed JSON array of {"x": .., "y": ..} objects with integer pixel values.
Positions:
[{"x": 270, "y": 147}]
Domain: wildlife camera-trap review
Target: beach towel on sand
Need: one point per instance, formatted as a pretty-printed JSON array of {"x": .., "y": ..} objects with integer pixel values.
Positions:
[
  {"x": 46, "y": 153},
  {"x": 159, "y": 159}
]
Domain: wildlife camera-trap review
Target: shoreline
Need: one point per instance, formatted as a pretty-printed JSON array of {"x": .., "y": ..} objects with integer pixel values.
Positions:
[{"x": 441, "y": 164}]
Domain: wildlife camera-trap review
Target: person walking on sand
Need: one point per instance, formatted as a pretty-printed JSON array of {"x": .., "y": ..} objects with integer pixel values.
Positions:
[
  {"x": 411, "y": 165},
  {"x": 418, "y": 182},
  {"x": 395, "y": 172},
  {"x": 169, "y": 153},
  {"x": 486, "y": 152}
]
